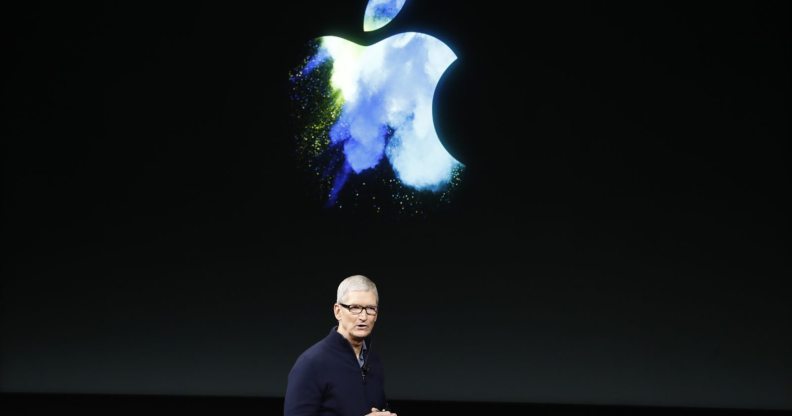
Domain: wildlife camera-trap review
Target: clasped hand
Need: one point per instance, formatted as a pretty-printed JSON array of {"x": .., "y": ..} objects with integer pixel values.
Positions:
[{"x": 377, "y": 412}]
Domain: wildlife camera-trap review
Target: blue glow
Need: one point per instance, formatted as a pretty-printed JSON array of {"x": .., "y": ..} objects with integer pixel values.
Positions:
[
  {"x": 315, "y": 61},
  {"x": 380, "y": 12}
]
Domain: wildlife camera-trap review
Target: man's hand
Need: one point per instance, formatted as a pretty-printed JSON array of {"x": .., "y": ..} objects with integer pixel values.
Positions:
[{"x": 377, "y": 412}]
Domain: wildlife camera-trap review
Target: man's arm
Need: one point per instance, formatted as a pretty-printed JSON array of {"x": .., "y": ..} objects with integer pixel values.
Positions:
[{"x": 303, "y": 392}]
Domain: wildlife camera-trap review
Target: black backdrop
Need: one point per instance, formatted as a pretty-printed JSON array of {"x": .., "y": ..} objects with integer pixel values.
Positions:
[{"x": 620, "y": 235}]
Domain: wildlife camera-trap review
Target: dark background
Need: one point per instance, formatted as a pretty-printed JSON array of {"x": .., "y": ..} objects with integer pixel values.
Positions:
[{"x": 620, "y": 237}]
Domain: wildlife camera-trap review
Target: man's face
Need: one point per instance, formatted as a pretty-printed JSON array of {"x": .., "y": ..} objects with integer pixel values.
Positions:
[{"x": 359, "y": 326}]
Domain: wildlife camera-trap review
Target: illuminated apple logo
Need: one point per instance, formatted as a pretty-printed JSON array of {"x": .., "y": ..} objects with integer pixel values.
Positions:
[{"x": 367, "y": 115}]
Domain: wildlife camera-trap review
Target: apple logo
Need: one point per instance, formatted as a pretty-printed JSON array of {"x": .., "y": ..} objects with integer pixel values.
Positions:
[{"x": 367, "y": 115}]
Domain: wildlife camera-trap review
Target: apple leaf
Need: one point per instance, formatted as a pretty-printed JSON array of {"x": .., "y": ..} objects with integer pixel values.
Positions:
[{"x": 380, "y": 12}]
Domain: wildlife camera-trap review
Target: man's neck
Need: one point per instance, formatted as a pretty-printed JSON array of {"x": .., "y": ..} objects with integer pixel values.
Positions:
[{"x": 356, "y": 343}]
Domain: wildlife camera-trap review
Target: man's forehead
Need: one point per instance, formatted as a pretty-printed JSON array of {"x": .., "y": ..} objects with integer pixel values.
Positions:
[{"x": 361, "y": 297}]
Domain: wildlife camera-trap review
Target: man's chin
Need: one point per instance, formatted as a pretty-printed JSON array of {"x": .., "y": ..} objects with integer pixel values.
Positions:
[{"x": 360, "y": 334}]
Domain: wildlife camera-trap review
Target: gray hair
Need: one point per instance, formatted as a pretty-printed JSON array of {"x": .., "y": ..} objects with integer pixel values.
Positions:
[{"x": 356, "y": 283}]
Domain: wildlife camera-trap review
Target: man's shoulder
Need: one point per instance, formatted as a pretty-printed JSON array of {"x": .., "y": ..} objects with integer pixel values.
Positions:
[
  {"x": 315, "y": 353},
  {"x": 317, "y": 349}
]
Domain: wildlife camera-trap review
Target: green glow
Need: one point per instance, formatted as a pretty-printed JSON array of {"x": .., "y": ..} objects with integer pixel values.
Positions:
[{"x": 347, "y": 65}]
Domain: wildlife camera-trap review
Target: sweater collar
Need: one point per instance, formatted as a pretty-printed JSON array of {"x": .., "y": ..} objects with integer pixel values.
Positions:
[{"x": 342, "y": 342}]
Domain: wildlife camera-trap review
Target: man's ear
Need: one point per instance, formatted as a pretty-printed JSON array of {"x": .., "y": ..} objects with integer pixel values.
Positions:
[{"x": 337, "y": 311}]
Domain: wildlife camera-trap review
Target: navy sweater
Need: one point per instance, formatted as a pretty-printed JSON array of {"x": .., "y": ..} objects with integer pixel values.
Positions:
[{"x": 328, "y": 380}]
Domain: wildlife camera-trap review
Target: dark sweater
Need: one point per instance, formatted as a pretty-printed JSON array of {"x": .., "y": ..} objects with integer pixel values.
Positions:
[{"x": 328, "y": 380}]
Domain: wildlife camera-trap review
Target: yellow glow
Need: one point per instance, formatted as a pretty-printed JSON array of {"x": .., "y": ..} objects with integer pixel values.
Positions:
[{"x": 346, "y": 67}]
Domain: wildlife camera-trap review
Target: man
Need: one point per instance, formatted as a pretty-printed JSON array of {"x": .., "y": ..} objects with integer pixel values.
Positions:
[{"x": 342, "y": 374}]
